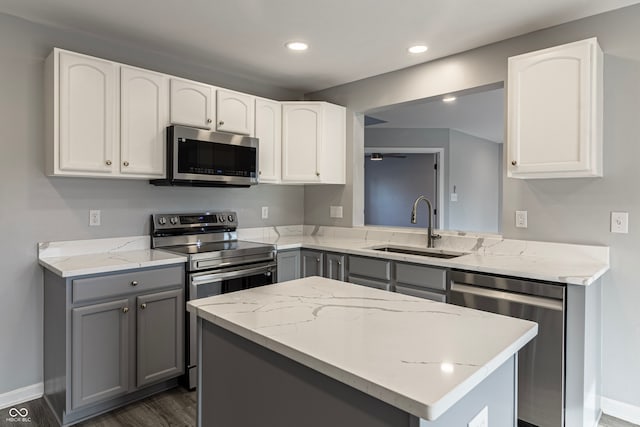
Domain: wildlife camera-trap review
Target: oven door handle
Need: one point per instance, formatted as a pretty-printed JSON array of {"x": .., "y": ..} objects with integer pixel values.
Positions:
[{"x": 214, "y": 277}]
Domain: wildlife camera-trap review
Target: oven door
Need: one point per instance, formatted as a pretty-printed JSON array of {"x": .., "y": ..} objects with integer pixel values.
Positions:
[
  {"x": 213, "y": 156},
  {"x": 215, "y": 282}
]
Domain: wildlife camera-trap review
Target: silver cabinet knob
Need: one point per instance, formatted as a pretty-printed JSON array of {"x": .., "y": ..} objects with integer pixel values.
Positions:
[
  {"x": 317, "y": 173},
  {"x": 259, "y": 172},
  {"x": 208, "y": 120},
  {"x": 125, "y": 163},
  {"x": 317, "y": 259},
  {"x": 339, "y": 263},
  {"x": 143, "y": 306},
  {"x": 134, "y": 283},
  {"x": 220, "y": 123},
  {"x": 108, "y": 162},
  {"x": 125, "y": 309},
  {"x": 513, "y": 162}
]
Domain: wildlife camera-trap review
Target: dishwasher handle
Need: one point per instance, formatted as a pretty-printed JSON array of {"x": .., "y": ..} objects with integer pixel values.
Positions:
[{"x": 548, "y": 303}]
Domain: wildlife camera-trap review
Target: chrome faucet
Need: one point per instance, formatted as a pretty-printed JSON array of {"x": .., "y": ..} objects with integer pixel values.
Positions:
[{"x": 430, "y": 235}]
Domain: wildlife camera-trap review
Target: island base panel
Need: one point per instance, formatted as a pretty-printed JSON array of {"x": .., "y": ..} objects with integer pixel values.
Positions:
[{"x": 244, "y": 384}]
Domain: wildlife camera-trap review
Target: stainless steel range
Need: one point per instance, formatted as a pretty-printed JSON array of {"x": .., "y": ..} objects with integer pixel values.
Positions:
[{"x": 217, "y": 261}]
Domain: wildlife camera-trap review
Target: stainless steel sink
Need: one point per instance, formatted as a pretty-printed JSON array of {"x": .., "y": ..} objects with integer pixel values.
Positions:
[{"x": 433, "y": 253}]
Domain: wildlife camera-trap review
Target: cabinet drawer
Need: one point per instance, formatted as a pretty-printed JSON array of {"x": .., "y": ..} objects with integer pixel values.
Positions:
[
  {"x": 370, "y": 283},
  {"x": 370, "y": 267},
  {"x": 422, "y": 276},
  {"x": 107, "y": 286},
  {"x": 421, "y": 293}
]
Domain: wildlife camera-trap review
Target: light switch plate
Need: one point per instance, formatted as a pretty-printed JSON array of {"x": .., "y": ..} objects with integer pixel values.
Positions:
[
  {"x": 335, "y": 211},
  {"x": 454, "y": 197},
  {"x": 521, "y": 219},
  {"x": 94, "y": 218},
  {"x": 620, "y": 222}
]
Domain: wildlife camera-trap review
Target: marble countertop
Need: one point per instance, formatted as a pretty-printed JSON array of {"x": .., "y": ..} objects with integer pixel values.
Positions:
[
  {"x": 82, "y": 257},
  {"x": 554, "y": 262},
  {"x": 372, "y": 340}
]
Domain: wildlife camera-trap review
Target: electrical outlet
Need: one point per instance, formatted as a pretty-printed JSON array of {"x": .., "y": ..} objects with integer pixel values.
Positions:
[
  {"x": 480, "y": 420},
  {"x": 265, "y": 212},
  {"x": 521, "y": 219},
  {"x": 94, "y": 218},
  {"x": 335, "y": 211},
  {"x": 620, "y": 222}
]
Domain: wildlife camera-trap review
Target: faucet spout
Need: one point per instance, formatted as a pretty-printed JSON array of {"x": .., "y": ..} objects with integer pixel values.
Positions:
[{"x": 430, "y": 235}]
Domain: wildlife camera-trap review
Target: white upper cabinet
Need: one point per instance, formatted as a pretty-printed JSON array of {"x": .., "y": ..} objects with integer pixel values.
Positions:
[
  {"x": 85, "y": 130},
  {"x": 313, "y": 143},
  {"x": 269, "y": 132},
  {"x": 144, "y": 114},
  {"x": 555, "y": 112},
  {"x": 235, "y": 112},
  {"x": 192, "y": 104}
]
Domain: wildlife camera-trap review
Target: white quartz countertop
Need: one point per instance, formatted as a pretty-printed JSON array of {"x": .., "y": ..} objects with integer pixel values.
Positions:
[
  {"x": 82, "y": 257},
  {"x": 554, "y": 262},
  {"x": 418, "y": 355}
]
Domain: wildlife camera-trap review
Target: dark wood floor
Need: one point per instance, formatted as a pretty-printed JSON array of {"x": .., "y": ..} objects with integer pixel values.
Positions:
[{"x": 173, "y": 408}]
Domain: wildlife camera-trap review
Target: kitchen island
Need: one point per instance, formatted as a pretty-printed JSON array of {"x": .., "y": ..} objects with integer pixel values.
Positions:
[{"x": 319, "y": 352}]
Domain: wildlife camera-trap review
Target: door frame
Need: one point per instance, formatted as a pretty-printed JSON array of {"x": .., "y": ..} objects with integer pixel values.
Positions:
[{"x": 439, "y": 152}]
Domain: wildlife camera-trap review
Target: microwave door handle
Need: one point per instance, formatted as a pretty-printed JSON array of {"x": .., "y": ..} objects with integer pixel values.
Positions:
[{"x": 214, "y": 277}]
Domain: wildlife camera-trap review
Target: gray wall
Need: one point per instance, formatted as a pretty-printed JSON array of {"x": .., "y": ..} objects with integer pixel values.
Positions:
[
  {"x": 475, "y": 168},
  {"x": 36, "y": 208},
  {"x": 392, "y": 185},
  {"x": 569, "y": 210}
]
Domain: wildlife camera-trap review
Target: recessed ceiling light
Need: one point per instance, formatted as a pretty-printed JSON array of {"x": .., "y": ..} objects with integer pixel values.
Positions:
[
  {"x": 449, "y": 98},
  {"x": 418, "y": 49},
  {"x": 297, "y": 46}
]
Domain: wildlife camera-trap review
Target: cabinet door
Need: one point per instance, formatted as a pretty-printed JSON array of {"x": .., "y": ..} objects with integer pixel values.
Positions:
[
  {"x": 100, "y": 352},
  {"x": 332, "y": 154},
  {"x": 269, "y": 132},
  {"x": 288, "y": 265},
  {"x": 555, "y": 112},
  {"x": 191, "y": 104},
  {"x": 144, "y": 114},
  {"x": 87, "y": 114},
  {"x": 301, "y": 139},
  {"x": 420, "y": 293},
  {"x": 160, "y": 336},
  {"x": 311, "y": 263},
  {"x": 235, "y": 112},
  {"x": 334, "y": 267}
]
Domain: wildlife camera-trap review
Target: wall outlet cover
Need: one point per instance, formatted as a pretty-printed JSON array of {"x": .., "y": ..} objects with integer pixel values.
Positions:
[
  {"x": 620, "y": 222},
  {"x": 454, "y": 197},
  {"x": 521, "y": 219},
  {"x": 94, "y": 218},
  {"x": 265, "y": 212},
  {"x": 335, "y": 211}
]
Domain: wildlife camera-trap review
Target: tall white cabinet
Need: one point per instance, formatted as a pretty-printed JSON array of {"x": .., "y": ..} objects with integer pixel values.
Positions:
[
  {"x": 268, "y": 130},
  {"x": 555, "y": 112},
  {"x": 313, "y": 143}
]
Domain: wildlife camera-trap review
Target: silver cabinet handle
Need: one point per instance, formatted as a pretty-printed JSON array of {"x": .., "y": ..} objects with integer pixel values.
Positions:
[
  {"x": 513, "y": 162},
  {"x": 134, "y": 283},
  {"x": 125, "y": 163},
  {"x": 108, "y": 162},
  {"x": 143, "y": 306},
  {"x": 125, "y": 310},
  {"x": 208, "y": 120}
]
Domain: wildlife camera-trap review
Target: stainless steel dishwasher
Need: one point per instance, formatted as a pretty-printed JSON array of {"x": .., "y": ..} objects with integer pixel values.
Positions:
[{"x": 541, "y": 363}]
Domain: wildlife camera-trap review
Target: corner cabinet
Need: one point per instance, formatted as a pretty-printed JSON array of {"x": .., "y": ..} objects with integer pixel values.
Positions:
[
  {"x": 313, "y": 143},
  {"x": 103, "y": 119},
  {"x": 555, "y": 112},
  {"x": 111, "y": 339}
]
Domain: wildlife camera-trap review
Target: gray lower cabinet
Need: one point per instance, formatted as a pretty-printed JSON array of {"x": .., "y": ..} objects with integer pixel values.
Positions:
[
  {"x": 160, "y": 323},
  {"x": 311, "y": 263},
  {"x": 111, "y": 339},
  {"x": 100, "y": 359},
  {"x": 334, "y": 266},
  {"x": 372, "y": 272},
  {"x": 288, "y": 265},
  {"x": 421, "y": 281}
]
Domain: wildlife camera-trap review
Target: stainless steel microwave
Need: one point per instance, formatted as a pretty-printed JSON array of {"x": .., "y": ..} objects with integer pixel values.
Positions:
[{"x": 201, "y": 158}]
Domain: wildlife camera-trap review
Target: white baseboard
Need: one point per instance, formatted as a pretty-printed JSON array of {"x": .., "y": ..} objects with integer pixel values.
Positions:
[
  {"x": 21, "y": 395},
  {"x": 621, "y": 410}
]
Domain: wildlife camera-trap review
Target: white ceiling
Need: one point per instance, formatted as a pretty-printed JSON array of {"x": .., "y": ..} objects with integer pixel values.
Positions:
[
  {"x": 479, "y": 114},
  {"x": 349, "y": 39}
]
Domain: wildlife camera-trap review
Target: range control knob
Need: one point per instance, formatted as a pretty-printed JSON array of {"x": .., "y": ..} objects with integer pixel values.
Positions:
[
  {"x": 162, "y": 220},
  {"x": 230, "y": 218},
  {"x": 174, "y": 220},
  {"x": 221, "y": 218}
]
